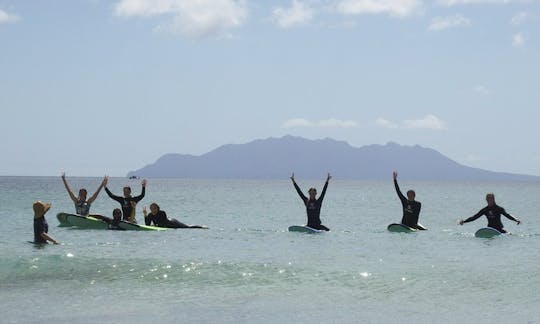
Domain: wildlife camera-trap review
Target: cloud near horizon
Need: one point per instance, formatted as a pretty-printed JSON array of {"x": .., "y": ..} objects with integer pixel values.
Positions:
[
  {"x": 442, "y": 23},
  {"x": 393, "y": 8},
  {"x": 429, "y": 122},
  {"x": 193, "y": 18},
  {"x": 326, "y": 123},
  {"x": 296, "y": 15},
  {"x": 6, "y": 17}
]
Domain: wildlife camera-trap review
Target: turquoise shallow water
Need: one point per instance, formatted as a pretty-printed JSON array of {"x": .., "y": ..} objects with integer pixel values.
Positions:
[{"x": 248, "y": 268}]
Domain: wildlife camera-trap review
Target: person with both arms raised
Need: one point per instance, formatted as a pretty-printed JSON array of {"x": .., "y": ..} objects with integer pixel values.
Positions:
[
  {"x": 313, "y": 204},
  {"x": 126, "y": 201},
  {"x": 82, "y": 205},
  {"x": 411, "y": 207},
  {"x": 493, "y": 213}
]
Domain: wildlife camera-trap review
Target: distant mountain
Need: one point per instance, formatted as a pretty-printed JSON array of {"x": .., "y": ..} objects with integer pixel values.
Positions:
[{"x": 276, "y": 158}]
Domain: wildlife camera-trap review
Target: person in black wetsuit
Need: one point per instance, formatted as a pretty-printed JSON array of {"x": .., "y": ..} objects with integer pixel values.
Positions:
[
  {"x": 41, "y": 228},
  {"x": 113, "y": 222},
  {"x": 493, "y": 213},
  {"x": 159, "y": 218},
  {"x": 313, "y": 204},
  {"x": 126, "y": 201},
  {"x": 411, "y": 207}
]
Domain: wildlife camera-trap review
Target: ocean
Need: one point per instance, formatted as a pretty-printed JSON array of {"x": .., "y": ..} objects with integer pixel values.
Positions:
[{"x": 247, "y": 268}]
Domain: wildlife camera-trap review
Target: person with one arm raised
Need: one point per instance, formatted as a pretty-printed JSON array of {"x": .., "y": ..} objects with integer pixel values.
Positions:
[
  {"x": 411, "y": 207},
  {"x": 493, "y": 214},
  {"x": 82, "y": 205},
  {"x": 128, "y": 211},
  {"x": 313, "y": 204}
]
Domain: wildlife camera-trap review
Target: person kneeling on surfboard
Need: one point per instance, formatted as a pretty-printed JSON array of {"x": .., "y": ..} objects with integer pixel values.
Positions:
[
  {"x": 82, "y": 205},
  {"x": 411, "y": 207},
  {"x": 113, "y": 222},
  {"x": 313, "y": 205},
  {"x": 127, "y": 200},
  {"x": 159, "y": 218},
  {"x": 41, "y": 228},
  {"x": 493, "y": 213}
]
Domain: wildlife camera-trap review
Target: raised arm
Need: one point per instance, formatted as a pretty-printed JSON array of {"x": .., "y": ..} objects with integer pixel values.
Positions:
[
  {"x": 114, "y": 197},
  {"x": 71, "y": 195},
  {"x": 298, "y": 190},
  {"x": 95, "y": 195},
  {"x": 323, "y": 193},
  {"x": 143, "y": 192},
  {"x": 147, "y": 219},
  {"x": 398, "y": 191}
]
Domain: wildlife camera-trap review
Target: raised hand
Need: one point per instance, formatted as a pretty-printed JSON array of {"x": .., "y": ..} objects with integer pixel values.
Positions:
[
  {"x": 63, "y": 175},
  {"x": 395, "y": 174},
  {"x": 292, "y": 177},
  {"x": 105, "y": 181},
  {"x": 144, "y": 211},
  {"x": 143, "y": 183},
  {"x": 328, "y": 177}
]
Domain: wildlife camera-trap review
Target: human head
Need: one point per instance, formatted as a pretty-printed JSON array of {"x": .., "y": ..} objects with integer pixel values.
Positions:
[
  {"x": 312, "y": 193},
  {"x": 40, "y": 209},
  {"x": 490, "y": 198},
  {"x": 117, "y": 213},
  {"x": 82, "y": 194},
  {"x": 154, "y": 208},
  {"x": 127, "y": 192},
  {"x": 411, "y": 195}
]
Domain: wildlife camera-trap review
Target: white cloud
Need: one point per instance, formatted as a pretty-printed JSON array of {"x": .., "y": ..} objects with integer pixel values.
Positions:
[
  {"x": 442, "y": 23},
  {"x": 521, "y": 18},
  {"x": 394, "y": 8},
  {"x": 297, "y": 14},
  {"x": 518, "y": 40},
  {"x": 473, "y": 2},
  {"x": 194, "y": 18},
  {"x": 8, "y": 18},
  {"x": 429, "y": 122},
  {"x": 482, "y": 90},
  {"x": 332, "y": 122}
]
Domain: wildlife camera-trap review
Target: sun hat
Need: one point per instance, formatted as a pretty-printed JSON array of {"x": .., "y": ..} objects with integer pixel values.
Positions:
[{"x": 40, "y": 208}]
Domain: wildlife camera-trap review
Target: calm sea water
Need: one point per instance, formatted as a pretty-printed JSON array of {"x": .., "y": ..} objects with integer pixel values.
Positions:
[{"x": 248, "y": 268}]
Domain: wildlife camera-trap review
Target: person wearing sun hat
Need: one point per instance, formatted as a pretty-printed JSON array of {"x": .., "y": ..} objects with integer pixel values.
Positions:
[{"x": 40, "y": 224}]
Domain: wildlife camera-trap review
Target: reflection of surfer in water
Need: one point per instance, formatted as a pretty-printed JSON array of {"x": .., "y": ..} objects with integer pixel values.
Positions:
[
  {"x": 313, "y": 205},
  {"x": 411, "y": 207},
  {"x": 493, "y": 213}
]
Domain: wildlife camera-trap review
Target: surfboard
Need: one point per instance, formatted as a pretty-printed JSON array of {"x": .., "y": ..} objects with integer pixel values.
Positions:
[
  {"x": 304, "y": 229},
  {"x": 487, "y": 232},
  {"x": 138, "y": 227},
  {"x": 86, "y": 222},
  {"x": 400, "y": 228},
  {"x": 62, "y": 218}
]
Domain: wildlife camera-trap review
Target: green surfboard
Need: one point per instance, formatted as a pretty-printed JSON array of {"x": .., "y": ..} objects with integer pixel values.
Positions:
[
  {"x": 487, "y": 232},
  {"x": 137, "y": 227},
  {"x": 86, "y": 222},
  {"x": 400, "y": 228}
]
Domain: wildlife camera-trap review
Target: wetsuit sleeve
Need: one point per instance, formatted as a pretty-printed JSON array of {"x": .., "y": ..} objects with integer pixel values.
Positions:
[
  {"x": 141, "y": 196},
  {"x": 475, "y": 217},
  {"x": 323, "y": 193},
  {"x": 510, "y": 217},
  {"x": 300, "y": 193},
  {"x": 110, "y": 194},
  {"x": 398, "y": 191}
]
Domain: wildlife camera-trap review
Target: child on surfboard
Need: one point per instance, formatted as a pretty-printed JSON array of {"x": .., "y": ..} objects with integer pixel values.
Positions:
[
  {"x": 41, "y": 228},
  {"x": 313, "y": 204},
  {"x": 411, "y": 207},
  {"x": 493, "y": 214},
  {"x": 82, "y": 205},
  {"x": 159, "y": 218}
]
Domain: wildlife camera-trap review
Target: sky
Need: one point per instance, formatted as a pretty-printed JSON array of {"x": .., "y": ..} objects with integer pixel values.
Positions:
[{"x": 95, "y": 87}]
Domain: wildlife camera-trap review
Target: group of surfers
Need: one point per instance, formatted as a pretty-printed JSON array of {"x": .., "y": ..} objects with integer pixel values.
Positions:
[{"x": 411, "y": 209}]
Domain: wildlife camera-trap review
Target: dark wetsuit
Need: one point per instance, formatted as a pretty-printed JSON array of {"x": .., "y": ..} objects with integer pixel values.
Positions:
[
  {"x": 313, "y": 208},
  {"x": 113, "y": 223},
  {"x": 493, "y": 214},
  {"x": 126, "y": 202},
  {"x": 160, "y": 220},
  {"x": 40, "y": 226},
  {"x": 411, "y": 209}
]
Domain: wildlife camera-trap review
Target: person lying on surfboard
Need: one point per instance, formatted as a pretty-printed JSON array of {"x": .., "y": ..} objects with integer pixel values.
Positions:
[
  {"x": 82, "y": 205},
  {"x": 313, "y": 204},
  {"x": 159, "y": 218},
  {"x": 411, "y": 207},
  {"x": 126, "y": 201},
  {"x": 493, "y": 214},
  {"x": 41, "y": 228},
  {"x": 113, "y": 222}
]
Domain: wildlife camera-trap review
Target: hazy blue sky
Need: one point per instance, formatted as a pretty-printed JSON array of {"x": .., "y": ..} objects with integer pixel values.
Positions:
[{"x": 103, "y": 87}]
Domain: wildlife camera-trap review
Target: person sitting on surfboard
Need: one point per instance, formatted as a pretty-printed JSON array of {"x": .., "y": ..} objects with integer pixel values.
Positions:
[
  {"x": 82, "y": 205},
  {"x": 159, "y": 218},
  {"x": 493, "y": 213},
  {"x": 41, "y": 228},
  {"x": 126, "y": 201},
  {"x": 411, "y": 207},
  {"x": 313, "y": 205}
]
